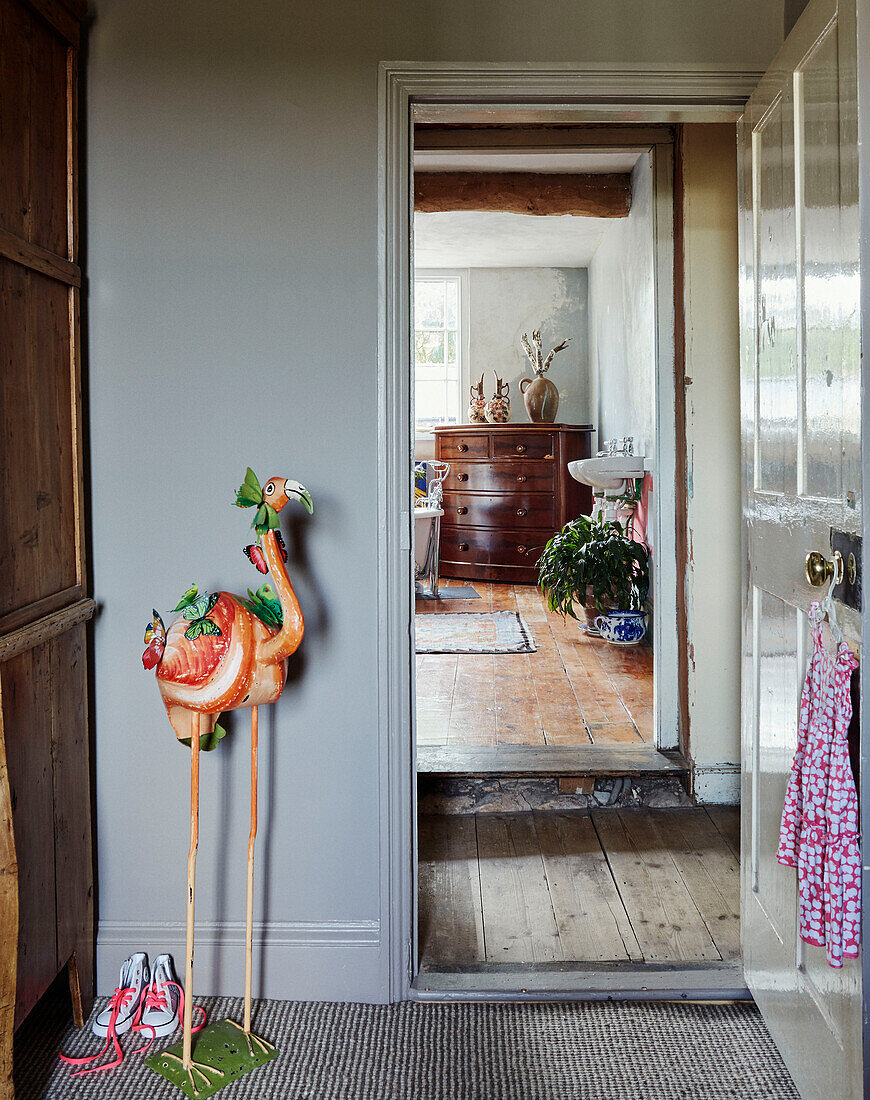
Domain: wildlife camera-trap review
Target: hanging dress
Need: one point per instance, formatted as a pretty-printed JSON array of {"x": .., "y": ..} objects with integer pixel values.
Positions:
[{"x": 819, "y": 832}]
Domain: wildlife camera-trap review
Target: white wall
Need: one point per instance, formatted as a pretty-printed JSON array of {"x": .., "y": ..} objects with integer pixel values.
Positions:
[
  {"x": 505, "y": 302},
  {"x": 713, "y": 443},
  {"x": 622, "y": 321},
  {"x": 232, "y": 304}
]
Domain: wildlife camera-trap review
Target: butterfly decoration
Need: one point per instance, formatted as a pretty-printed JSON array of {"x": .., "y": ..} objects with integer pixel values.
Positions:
[
  {"x": 264, "y": 604},
  {"x": 257, "y": 558},
  {"x": 155, "y": 641},
  {"x": 250, "y": 495},
  {"x": 188, "y": 598},
  {"x": 196, "y": 614}
]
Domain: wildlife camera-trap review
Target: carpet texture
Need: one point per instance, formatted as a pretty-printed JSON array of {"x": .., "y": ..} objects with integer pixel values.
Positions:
[
  {"x": 580, "y": 1051},
  {"x": 473, "y": 632}
]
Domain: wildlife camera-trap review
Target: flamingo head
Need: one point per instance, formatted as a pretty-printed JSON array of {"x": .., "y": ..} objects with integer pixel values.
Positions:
[{"x": 278, "y": 491}]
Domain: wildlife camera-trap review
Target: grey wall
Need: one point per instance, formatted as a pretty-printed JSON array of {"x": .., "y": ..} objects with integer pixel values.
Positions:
[
  {"x": 622, "y": 321},
  {"x": 505, "y": 302},
  {"x": 232, "y": 247}
]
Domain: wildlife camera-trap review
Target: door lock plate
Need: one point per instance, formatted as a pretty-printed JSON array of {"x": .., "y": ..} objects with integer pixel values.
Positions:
[{"x": 850, "y": 589}]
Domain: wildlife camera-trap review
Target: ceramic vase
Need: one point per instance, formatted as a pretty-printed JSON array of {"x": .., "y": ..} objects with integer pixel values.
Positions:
[
  {"x": 498, "y": 408},
  {"x": 623, "y": 628},
  {"x": 542, "y": 399},
  {"x": 477, "y": 404}
]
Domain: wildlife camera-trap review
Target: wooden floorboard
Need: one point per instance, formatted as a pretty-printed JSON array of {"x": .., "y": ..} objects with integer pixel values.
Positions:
[
  {"x": 666, "y": 921},
  {"x": 710, "y": 871},
  {"x": 451, "y": 915},
  {"x": 549, "y": 760},
  {"x": 592, "y": 922},
  {"x": 573, "y": 690},
  {"x": 727, "y": 821},
  {"x": 627, "y": 888},
  {"x": 518, "y": 919}
]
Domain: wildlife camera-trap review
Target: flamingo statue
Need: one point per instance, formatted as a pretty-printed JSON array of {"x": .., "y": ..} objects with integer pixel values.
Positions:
[{"x": 223, "y": 653}]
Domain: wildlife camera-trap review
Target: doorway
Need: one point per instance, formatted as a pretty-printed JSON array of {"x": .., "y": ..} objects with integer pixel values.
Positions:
[
  {"x": 517, "y": 877},
  {"x": 433, "y": 97}
]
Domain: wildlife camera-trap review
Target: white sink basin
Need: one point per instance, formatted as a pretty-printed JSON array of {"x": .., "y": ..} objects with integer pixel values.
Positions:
[{"x": 609, "y": 473}]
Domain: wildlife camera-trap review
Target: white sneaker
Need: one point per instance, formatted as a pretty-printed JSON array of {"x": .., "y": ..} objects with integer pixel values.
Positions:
[
  {"x": 162, "y": 999},
  {"x": 117, "y": 1018}
]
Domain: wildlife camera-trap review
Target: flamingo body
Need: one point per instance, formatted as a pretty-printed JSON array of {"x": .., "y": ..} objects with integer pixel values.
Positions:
[{"x": 221, "y": 672}]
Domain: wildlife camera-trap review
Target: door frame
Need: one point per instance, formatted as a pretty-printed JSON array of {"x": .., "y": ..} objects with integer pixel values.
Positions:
[{"x": 462, "y": 92}]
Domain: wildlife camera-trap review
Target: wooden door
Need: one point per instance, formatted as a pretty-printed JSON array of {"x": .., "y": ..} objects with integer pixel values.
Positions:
[
  {"x": 800, "y": 396},
  {"x": 46, "y": 905}
]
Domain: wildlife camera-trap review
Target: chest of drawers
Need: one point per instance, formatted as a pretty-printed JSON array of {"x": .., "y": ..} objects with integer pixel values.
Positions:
[{"x": 507, "y": 493}]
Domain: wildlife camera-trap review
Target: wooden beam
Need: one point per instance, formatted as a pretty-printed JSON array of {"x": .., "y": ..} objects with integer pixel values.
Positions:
[
  {"x": 37, "y": 258},
  {"x": 604, "y": 195},
  {"x": 28, "y": 637}
]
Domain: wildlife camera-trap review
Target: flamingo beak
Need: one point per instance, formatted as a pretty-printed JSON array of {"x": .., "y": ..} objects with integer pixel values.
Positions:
[{"x": 294, "y": 489}]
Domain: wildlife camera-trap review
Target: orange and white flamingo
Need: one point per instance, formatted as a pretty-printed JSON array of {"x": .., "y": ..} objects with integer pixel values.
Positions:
[{"x": 225, "y": 653}]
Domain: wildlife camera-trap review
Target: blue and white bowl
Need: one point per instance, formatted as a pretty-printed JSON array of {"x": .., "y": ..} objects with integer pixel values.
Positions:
[{"x": 622, "y": 627}]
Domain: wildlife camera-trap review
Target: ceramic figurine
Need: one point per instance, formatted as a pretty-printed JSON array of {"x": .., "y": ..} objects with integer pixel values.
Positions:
[
  {"x": 540, "y": 394},
  {"x": 225, "y": 652},
  {"x": 477, "y": 404},
  {"x": 498, "y": 408}
]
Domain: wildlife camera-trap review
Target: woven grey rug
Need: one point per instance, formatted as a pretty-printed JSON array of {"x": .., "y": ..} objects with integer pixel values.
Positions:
[
  {"x": 579, "y": 1051},
  {"x": 473, "y": 632}
]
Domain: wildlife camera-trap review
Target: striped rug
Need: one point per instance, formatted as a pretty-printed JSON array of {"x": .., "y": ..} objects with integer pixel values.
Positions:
[{"x": 567, "y": 1051}]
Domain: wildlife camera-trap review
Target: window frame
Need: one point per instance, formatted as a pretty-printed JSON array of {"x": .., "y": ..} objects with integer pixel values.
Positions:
[{"x": 461, "y": 274}]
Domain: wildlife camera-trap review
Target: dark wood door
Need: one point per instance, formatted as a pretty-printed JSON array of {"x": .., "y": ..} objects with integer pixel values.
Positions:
[{"x": 46, "y": 882}]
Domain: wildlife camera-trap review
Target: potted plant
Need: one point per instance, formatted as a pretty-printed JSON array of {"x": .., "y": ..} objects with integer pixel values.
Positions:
[{"x": 590, "y": 562}]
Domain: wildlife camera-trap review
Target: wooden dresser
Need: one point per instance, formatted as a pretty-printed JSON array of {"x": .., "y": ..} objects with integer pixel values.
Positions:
[{"x": 507, "y": 493}]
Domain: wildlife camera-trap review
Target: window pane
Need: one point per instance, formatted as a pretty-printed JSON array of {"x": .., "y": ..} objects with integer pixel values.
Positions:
[
  {"x": 429, "y": 347},
  {"x": 451, "y": 296},
  {"x": 430, "y": 405},
  {"x": 428, "y": 303},
  {"x": 451, "y": 347}
]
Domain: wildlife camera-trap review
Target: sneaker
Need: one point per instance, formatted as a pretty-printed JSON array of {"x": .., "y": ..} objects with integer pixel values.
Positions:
[
  {"x": 118, "y": 1016},
  {"x": 160, "y": 1009}
]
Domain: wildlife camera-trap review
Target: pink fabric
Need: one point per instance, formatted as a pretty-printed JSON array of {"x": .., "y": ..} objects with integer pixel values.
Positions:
[{"x": 819, "y": 832}]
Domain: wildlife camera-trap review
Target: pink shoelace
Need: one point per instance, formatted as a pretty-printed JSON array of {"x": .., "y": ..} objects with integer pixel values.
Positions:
[{"x": 119, "y": 1001}]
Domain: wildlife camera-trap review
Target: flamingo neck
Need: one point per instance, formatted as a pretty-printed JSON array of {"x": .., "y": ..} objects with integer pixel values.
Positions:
[{"x": 287, "y": 640}]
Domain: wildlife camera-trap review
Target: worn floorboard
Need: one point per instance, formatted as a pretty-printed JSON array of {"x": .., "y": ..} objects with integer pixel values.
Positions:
[
  {"x": 573, "y": 690},
  {"x": 614, "y": 886}
]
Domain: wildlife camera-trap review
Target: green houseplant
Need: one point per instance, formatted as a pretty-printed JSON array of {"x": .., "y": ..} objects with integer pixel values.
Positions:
[{"x": 590, "y": 562}]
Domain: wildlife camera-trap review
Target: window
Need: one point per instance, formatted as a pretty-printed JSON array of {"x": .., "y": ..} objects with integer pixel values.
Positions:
[{"x": 437, "y": 351}]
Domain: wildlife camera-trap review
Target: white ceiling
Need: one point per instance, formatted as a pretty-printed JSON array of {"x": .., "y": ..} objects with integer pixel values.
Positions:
[
  {"x": 508, "y": 160},
  {"x": 462, "y": 238}
]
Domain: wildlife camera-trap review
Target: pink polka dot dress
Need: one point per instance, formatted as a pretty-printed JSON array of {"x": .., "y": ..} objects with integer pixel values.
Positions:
[{"x": 819, "y": 832}]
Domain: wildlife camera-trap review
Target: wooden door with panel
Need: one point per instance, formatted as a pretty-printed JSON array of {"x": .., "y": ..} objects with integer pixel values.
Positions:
[
  {"x": 46, "y": 902},
  {"x": 800, "y": 411}
]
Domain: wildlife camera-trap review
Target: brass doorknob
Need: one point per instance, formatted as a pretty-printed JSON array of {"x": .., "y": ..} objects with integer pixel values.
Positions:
[{"x": 819, "y": 570}]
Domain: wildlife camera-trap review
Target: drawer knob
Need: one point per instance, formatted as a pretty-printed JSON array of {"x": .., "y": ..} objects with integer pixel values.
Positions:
[
  {"x": 548, "y": 456},
  {"x": 521, "y": 549},
  {"x": 521, "y": 477},
  {"x": 521, "y": 511},
  {"x": 521, "y": 448},
  {"x": 462, "y": 448},
  {"x": 463, "y": 511},
  {"x": 463, "y": 546},
  {"x": 462, "y": 477}
]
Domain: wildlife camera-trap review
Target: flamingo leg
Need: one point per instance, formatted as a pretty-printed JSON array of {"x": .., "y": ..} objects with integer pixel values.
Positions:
[
  {"x": 186, "y": 1058},
  {"x": 251, "y": 1039},
  {"x": 249, "y": 910}
]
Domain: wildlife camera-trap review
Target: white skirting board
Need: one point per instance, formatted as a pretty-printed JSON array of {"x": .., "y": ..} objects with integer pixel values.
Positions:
[
  {"x": 716, "y": 784},
  {"x": 293, "y": 960}
]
